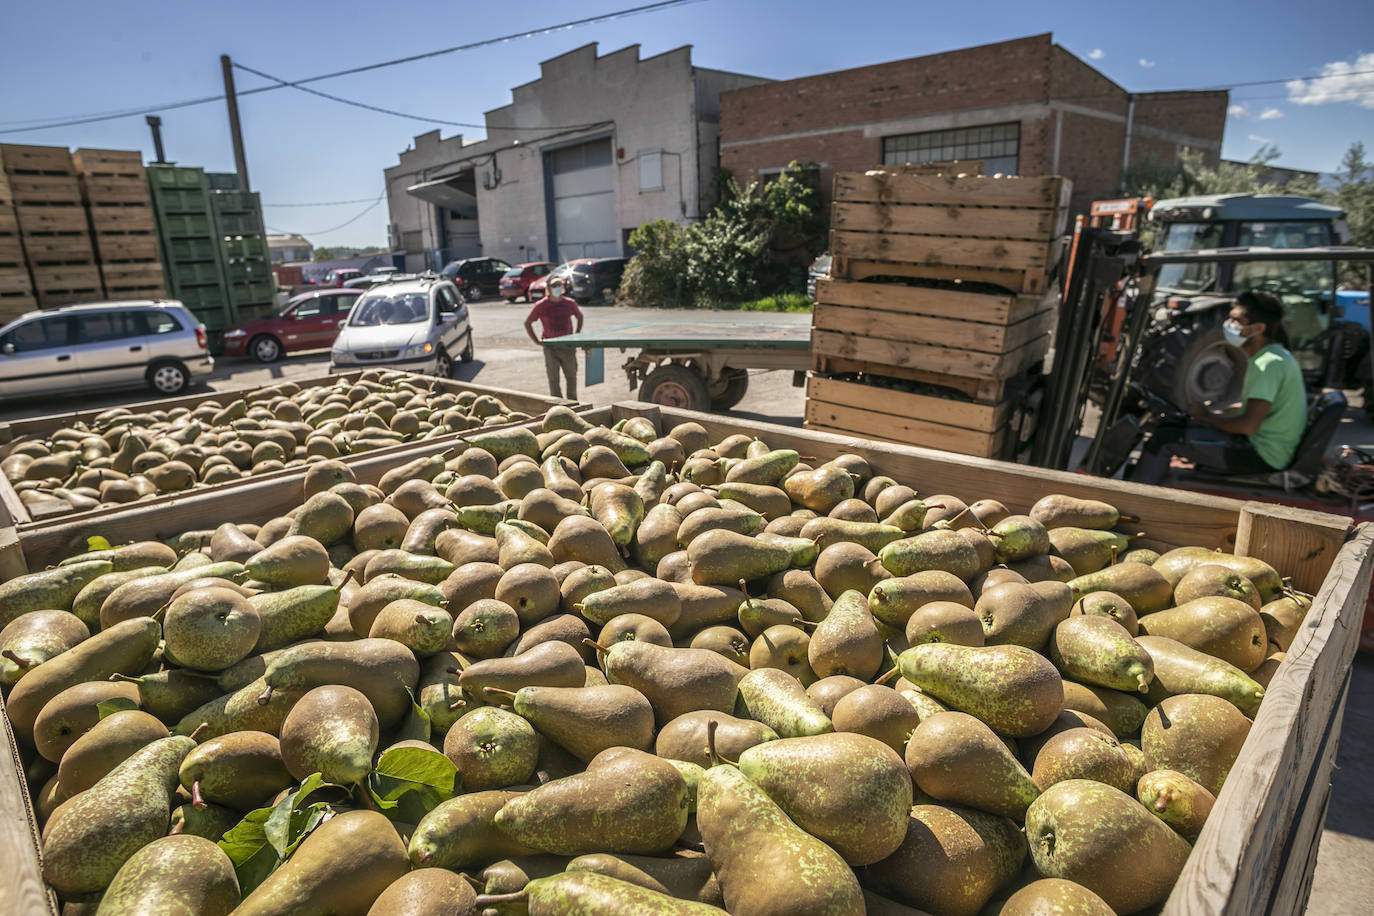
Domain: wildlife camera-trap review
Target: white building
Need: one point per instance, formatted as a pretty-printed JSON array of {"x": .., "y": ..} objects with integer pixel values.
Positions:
[
  {"x": 289, "y": 248},
  {"x": 579, "y": 159}
]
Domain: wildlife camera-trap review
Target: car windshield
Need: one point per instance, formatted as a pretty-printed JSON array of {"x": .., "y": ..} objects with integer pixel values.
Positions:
[
  {"x": 1188, "y": 278},
  {"x": 396, "y": 308},
  {"x": 582, "y": 270},
  {"x": 515, "y": 273}
]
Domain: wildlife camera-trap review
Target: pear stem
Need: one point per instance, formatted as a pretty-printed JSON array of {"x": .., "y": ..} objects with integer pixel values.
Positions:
[
  {"x": 486, "y": 901},
  {"x": 745, "y": 588},
  {"x": 1128, "y": 518},
  {"x": 596, "y": 645},
  {"x": 21, "y": 662},
  {"x": 803, "y": 623},
  {"x": 195, "y": 735},
  {"x": 887, "y": 675},
  {"x": 266, "y": 696},
  {"x": 478, "y": 885},
  {"x": 361, "y": 791},
  {"x": 711, "y": 726},
  {"x": 500, "y": 691},
  {"x": 197, "y": 800},
  {"x": 1113, "y": 563},
  {"x": 177, "y": 828},
  {"x": 123, "y": 678}
]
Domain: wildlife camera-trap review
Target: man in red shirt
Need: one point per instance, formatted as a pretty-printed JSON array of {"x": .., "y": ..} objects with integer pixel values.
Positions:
[{"x": 556, "y": 313}]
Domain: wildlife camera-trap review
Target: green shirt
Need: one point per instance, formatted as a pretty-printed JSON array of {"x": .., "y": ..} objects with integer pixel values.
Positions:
[{"x": 1273, "y": 375}]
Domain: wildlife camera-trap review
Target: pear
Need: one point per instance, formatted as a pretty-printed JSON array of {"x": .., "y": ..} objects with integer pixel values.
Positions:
[
  {"x": 893, "y": 601},
  {"x": 768, "y": 500},
  {"x": 1212, "y": 579},
  {"x": 1179, "y": 561},
  {"x": 419, "y": 567},
  {"x": 241, "y": 770},
  {"x": 847, "y": 640},
  {"x": 173, "y": 693},
  {"x": 1084, "y": 831},
  {"x": 492, "y": 749},
  {"x": 619, "y": 509},
  {"x": 368, "y": 600},
  {"x": 420, "y": 627},
  {"x": 1088, "y": 550},
  {"x": 109, "y": 743},
  {"x": 1121, "y": 712},
  {"x": 230, "y": 542},
  {"x": 845, "y": 565},
  {"x": 1083, "y": 753},
  {"x": 590, "y": 892},
  {"x": 785, "y": 647},
  {"x": 292, "y": 615},
  {"x": 759, "y": 614},
  {"x": 145, "y": 595},
  {"x": 1224, "y": 628},
  {"x": 675, "y": 681},
  {"x": 849, "y": 790},
  {"x": 767, "y": 469},
  {"x": 956, "y": 758},
  {"x": 1098, "y": 650},
  {"x": 547, "y": 664},
  {"x": 342, "y": 867},
  {"x": 382, "y": 669},
  {"x": 1176, "y": 800},
  {"x": 332, "y": 730},
  {"x": 826, "y": 531},
  {"x": 821, "y": 489},
  {"x": 1023, "y": 615},
  {"x": 943, "y": 621},
  {"x": 721, "y": 557},
  {"x": 579, "y": 537},
  {"x": 747, "y": 836},
  {"x": 426, "y": 892},
  {"x": 184, "y": 873},
  {"x": 828, "y": 691},
  {"x": 54, "y": 588},
  {"x": 1282, "y": 617},
  {"x": 210, "y": 629},
  {"x": 1142, "y": 586},
  {"x": 938, "y": 549},
  {"x": 1055, "y": 895},
  {"x": 1014, "y": 690},
  {"x": 779, "y": 700},
  {"x": 729, "y": 643},
  {"x": 587, "y": 720},
  {"x": 1019, "y": 537},
  {"x": 686, "y": 876},
  {"x": 656, "y": 535},
  {"x": 35, "y": 637},
  {"x": 1107, "y": 604},
  {"x": 293, "y": 560},
  {"x": 1060, "y": 511},
  {"x": 485, "y": 628},
  {"x": 651, "y": 597},
  {"x": 462, "y": 831},
  {"x": 326, "y": 517},
  {"x": 686, "y": 737},
  {"x": 626, "y": 801},
  {"x": 1196, "y": 734},
  {"x": 951, "y": 860},
  {"x": 89, "y": 838}
]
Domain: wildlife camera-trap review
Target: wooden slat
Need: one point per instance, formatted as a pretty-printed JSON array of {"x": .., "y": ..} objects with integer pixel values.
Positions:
[
  {"x": 50, "y": 218},
  {"x": 14, "y": 280},
  {"x": 1300, "y": 543},
  {"x": 45, "y": 189},
  {"x": 909, "y": 188},
  {"x": 20, "y": 870},
  {"x": 66, "y": 277},
  {"x": 1240, "y": 861},
  {"x": 9, "y": 223},
  {"x": 983, "y": 390},
  {"x": 856, "y": 421},
  {"x": 136, "y": 273},
  {"x": 942, "y": 250},
  {"x": 116, "y": 190},
  {"x": 127, "y": 247},
  {"x": 1017, "y": 281},
  {"x": 949, "y": 332},
  {"x": 109, "y": 162},
  {"x": 980, "y": 417},
  {"x": 19, "y": 159},
  {"x": 58, "y": 248},
  {"x": 988, "y": 308},
  {"x": 916, "y": 219},
  {"x": 929, "y": 358},
  {"x": 122, "y": 219}
]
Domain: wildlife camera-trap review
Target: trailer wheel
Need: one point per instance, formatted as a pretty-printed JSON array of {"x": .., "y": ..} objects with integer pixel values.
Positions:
[
  {"x": 674, "y": 385},
  {"x": 730, "y": 390}
]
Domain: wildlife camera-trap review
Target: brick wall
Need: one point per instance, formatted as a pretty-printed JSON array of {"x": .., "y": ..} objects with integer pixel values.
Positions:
[{"x": 1200, "y": 115}]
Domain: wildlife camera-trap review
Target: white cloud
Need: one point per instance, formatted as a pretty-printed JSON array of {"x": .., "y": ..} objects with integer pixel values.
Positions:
[
  {"x": 1147, "y": 64},
  {"x": 1239, "y": 111},
  {"x": 1270, "y": 114},
  {"x": 1096, "y": 54},
  {"x": 1258, "y": 139},
  {"x": 1340, "y": 81}
]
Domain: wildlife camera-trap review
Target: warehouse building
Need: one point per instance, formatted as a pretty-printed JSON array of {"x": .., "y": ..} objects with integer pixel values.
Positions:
[
  {"x": 1024, "y": 107},
  {"x": 579, "y": 159}
]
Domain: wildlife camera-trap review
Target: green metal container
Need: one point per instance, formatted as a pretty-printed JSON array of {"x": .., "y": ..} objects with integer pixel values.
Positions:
[
  {"x": 222, "y": 181},
  {"x": 234, "y": 247}
]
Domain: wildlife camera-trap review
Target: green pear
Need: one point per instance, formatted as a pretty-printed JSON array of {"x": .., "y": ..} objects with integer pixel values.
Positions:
[
  {"x": 778, "y": 700},
  {"x": 1014, "y": 690},
  {"x": 462, "y": 831},
  {"x": 242, "y": 770},
  {"x": 1098, "y": 650},
  {"x": 847, "y": 641},
  {"x": 174, "y": 874},
  {"x": 587, "y": 720},
  {"x": 675, "y": 681},
  {"x": 954, "y": 757},
  {"x": 332, "y": 730},
  {"x": 492, "y": 748},
  {"x": 48, "y": 589}
]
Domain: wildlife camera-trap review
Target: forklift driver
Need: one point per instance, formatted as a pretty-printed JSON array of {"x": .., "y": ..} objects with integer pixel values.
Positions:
[{"x": 1264, "y": 435}]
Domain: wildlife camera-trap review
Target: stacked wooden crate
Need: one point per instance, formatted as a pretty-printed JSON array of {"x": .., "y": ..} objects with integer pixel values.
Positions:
[
  {"x": 939, "y": 308},
  {"x": 52, "y": 223},
  {"x": 16, "y": 288},
  {"x": 115, "y": 190}
]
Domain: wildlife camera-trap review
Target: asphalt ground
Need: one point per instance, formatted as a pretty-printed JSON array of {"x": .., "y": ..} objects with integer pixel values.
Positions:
[{"x": 505, "y": 358}]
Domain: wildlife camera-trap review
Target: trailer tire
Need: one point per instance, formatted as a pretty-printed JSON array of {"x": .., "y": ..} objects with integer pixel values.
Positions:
[
  {"x": 675, "y": 385},
  {"x": 731, "y": 389}
]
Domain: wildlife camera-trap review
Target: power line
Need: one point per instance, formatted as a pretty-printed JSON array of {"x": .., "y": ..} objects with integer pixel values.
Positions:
[
  {"x": 187, "y": 103},
  {"x": 348, "y": 222},
  {"x": 325, "y": 203},
  {"x": 281, "y": 83}
]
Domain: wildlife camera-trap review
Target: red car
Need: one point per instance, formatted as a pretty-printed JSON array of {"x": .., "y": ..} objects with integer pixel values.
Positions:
[
  {"x": 309, "y": 321},
  {"x": 516, "y": 281},
  {"x": 539, "y": 288},
  {"x": 337, "y": 278}
]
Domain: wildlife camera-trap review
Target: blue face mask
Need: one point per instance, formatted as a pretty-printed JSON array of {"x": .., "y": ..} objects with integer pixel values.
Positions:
[{"x": 1231, "y": 331}]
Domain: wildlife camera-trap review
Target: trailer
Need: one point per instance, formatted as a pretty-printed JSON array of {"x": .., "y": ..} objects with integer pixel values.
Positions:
[{"x": 701, "y": 364}]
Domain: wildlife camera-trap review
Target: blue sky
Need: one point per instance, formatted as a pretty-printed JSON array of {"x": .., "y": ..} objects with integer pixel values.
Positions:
[{"x": 80, "y": 57}]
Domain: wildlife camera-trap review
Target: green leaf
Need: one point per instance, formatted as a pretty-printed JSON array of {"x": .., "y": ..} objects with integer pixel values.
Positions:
[
  {"x": 97, "y": 543},
  {"x": 247, "y": 847},
  {"x": 416, "y": 726},
  {"x": 113, "y": 705},
  {"x": 287, "y": 825},
  {"x": 410, "y": 781}
]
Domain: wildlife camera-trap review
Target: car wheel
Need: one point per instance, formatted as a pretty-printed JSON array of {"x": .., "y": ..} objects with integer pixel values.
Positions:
[
  {"x": 673, "y": 385},
  {"x": 443, "y": 365},
  {"x": 466, "y": 355},
  {"x": 168, "y": 378},
  {"x": 265, "y": 348}
]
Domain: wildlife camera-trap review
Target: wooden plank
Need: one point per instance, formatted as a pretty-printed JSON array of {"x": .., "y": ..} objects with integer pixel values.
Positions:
[
  {"x": 116, "y": 190},
  {"x": 942, "y": 250},
  {"x": 987, "y": 308},
  {"x": 1237, "y": 862},
  {"x": 966, "y": 363},
  {"x": 1299, "y": 542},
  {"x": 949, "y": 332},
  {"x": 65, "y": 277},
  {"x": 127, "y": 247},
  {"x": 132, "y": 273},
  {"x": 125, "y": 162},
  {"x": 1017, "y": 281},
  {"x": 14, "y": 280},
  {"x": 918, "y": 219},
  {"x": 59, "y": 248},
  {"x": 63, "y": 189},
  {"x": 21, "y": 158},
  {"x": 856, "y": 421},
  {"x": 20, "y": 869},
  {"x": 122, "y": 219},
  {"x": 948, "y": 190},
  {"x": 50, "y": 218},
  {"x": 965, "y": 414},
  {"x": 982, "y": 390}
]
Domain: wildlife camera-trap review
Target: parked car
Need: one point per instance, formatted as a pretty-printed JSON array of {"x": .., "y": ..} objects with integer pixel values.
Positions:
[
  {"x": 309, "y": 321},
  {"x": 421, "y": 325},
  {"x": 476, "y": 277},
  {"x": 539, "y": 288},
  {"x": 337, "y": 278},
  {"x": 101, "y": 346},
  {"x": 516, "y": 281},
  {"x": 597, "y": 281},
  {"x": 819, "y": 268},
  {"x": 373, "y": 279}
]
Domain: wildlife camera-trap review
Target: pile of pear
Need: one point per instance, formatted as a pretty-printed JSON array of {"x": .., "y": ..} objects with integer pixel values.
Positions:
[
  {"x": 674, "y": 676},
  {"x": 124, "y": 455}
]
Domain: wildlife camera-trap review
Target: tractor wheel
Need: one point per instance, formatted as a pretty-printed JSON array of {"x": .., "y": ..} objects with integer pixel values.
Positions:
[{"x": 1193, "y": 362}]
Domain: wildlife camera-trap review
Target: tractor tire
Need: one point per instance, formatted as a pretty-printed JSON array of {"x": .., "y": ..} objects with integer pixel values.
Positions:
[
  {"x": 674, "y": 385},
  {"x": 734, "y": 384},
  {"x": 1192, "y": 362}
]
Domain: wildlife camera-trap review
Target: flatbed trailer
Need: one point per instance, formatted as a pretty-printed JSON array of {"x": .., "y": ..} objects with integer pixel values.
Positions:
[{"x": 699, "y": 364}]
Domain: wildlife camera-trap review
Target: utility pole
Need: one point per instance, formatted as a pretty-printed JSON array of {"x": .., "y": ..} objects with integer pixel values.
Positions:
[
  {"x": 235, "y": 130},
  {"x": 155, "y": 123}
]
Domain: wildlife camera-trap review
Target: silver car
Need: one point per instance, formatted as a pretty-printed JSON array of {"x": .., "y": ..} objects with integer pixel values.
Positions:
[
  {"x": 421, "y": 325},
  {"x": 157, "y": 343}
]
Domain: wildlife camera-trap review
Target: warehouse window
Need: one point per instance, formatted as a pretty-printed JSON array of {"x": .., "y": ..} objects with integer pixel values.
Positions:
[
  {"x": 996, "y": 144},
  {"x": 651, "y": 170}
]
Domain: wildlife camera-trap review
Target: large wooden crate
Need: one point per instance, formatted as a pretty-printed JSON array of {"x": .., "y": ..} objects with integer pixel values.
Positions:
[
  {"x": 18, "y": 431},
  {"x": 874, "y": 412},
  {"x": 1257, "y": 852}
]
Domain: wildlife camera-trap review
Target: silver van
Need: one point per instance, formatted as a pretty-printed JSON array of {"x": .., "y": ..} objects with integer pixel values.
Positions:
[
  {"x": 157, "y": 343},
  {"x": 421, "y": 325}
]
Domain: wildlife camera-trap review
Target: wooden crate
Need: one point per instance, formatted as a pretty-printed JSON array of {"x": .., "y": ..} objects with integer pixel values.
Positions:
[
  {"x": 45, "y": 189},
  {"x": 1257, "y": 852},
  {"x": 53, "y": 248},
  {"x": 40, "y": 427},
  {"x": 109, "y": 163},
  {"x": 113, "y": 247},
  {"x": 6, "y": 198},
  {"x": 9, "y": 222},
  {"x": 45, "y": 218},
  {"x": 20, "y": 159},
  {"x": 929, "y": 358},
  {"x": 11, "y": 253},
  {"x": 132, "y": 274},
  {"x": 67, "y": 284},
  {"x": 122, "y": 219},
  {"x": 14, "y": 280}
]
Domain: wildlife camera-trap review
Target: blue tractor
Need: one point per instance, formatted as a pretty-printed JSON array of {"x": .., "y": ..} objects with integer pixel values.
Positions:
[{"x": 1183, "y": 355}]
